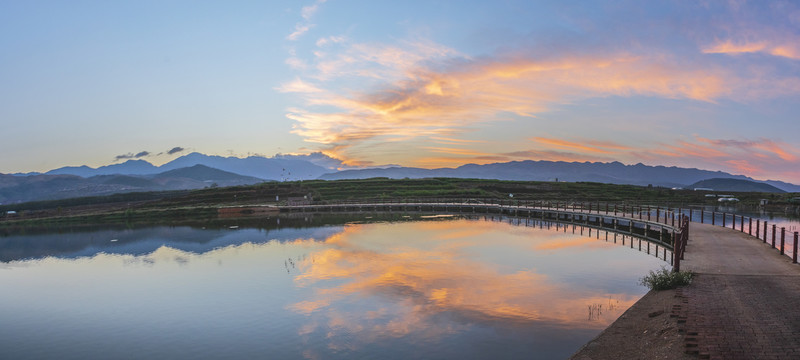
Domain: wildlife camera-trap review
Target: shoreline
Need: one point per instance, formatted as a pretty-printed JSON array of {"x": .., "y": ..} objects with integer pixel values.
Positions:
[{"x": 649, "y": 329}]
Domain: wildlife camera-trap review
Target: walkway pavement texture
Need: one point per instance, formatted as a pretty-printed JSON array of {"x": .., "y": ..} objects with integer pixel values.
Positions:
[{"x": 744, "y": 302}]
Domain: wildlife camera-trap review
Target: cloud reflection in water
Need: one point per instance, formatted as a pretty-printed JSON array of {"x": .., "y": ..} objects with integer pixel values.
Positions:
[{"x": 387, "y": 280}]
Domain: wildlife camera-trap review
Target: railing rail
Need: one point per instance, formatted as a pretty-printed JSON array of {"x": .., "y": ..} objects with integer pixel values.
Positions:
[{"x": 664, "y": 227}]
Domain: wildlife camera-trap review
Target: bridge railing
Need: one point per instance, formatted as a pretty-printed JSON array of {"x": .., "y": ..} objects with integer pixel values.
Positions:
[{"x": 661, "y": 226}]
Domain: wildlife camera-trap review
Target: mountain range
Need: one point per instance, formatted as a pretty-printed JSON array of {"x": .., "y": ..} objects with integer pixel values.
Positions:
[
  {"x": 275, "y": 168},
  {"x": 529, "y": 170},
  {"x": 195, "y": 170}
]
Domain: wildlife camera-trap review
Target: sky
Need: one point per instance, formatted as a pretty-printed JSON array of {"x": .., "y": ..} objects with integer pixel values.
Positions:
[{"x": 707, "y": 84}]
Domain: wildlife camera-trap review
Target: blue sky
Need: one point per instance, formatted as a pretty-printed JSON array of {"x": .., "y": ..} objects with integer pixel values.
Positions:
[{"x": 707, "y": 84}]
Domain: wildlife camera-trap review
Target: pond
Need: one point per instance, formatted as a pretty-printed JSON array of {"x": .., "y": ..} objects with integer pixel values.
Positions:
[{"x": 411, "y": 287}]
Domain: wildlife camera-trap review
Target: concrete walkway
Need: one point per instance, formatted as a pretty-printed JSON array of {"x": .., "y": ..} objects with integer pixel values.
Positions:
[{"x": 744, "y": 302}]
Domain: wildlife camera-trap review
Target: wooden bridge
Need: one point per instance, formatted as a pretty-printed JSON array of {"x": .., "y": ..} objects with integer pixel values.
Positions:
[{"x": 668, "y": 229}]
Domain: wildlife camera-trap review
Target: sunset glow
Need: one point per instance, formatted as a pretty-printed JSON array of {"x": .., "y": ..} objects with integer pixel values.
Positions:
[{"x": 712, "y": 85}]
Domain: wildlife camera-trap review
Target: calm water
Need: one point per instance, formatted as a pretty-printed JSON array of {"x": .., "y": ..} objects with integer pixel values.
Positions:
[{"x": 434, "y": 288}]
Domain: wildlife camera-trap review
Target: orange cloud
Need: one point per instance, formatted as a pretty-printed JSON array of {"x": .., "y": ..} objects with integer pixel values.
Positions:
[
  {"x": 456, "y": 151},
  {"x": 571, "y": 145},
  {"x": 789, "y": 49},
  {"x": 410, "y": 99}
]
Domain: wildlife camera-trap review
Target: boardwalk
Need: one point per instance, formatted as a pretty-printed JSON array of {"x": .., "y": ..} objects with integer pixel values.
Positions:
[
  {"x": 744, "y": 303},
  {"x": 745, "y": 300}
]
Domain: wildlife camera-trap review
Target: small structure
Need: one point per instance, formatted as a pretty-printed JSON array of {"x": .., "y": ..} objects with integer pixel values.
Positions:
[
  {"x": 298, "y": 201},
  {"x": 703, "y": 189},
  {"x": 763, "y": 202}
]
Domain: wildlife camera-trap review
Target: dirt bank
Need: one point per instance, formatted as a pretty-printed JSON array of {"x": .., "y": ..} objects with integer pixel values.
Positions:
[{"x": 648, "y": 330}]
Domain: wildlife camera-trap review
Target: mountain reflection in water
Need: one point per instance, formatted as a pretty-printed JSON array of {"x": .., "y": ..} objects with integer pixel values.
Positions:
[{"x": 423, "y": 289}]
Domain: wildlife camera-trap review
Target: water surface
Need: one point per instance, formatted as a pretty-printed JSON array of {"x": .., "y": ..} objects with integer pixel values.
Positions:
[{"x": 438, "y": 288}]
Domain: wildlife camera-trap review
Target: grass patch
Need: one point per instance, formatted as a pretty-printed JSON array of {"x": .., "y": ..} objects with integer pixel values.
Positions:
[{"x": 665, "y": 279}]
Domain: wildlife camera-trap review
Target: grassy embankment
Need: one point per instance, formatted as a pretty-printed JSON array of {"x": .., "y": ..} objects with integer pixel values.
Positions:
[{"x": 175, "y": 206}]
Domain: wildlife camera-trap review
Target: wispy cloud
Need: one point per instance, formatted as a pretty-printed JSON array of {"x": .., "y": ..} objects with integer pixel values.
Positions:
[
  {"x": 789, "y": 49},
  {"x": 175, "y": 150},
  {"x": 307, "y": 12},
  {"x": 299, "y": 30},
  {"x": 132, "y": 156}
]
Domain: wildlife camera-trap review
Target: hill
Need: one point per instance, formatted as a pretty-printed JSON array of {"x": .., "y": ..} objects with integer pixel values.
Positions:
[
  {"x": 15, "y": 189},
  {"x": 281, "y": 167},
  {"x": 205, "y": 173},
  {"x": 735, "y": 185},
  {"x": 611, "y": 173}
]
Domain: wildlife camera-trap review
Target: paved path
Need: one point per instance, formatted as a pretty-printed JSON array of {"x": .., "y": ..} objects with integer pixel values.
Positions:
[{"x": 745, "y": 300}]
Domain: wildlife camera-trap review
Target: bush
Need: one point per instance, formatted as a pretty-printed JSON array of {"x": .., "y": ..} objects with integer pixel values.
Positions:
[{"x": 665, "y": 279}]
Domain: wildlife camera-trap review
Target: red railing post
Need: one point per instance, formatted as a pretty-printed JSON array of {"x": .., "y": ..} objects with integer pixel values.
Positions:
[
  {"x": 783, "y": 238},
  {"x": 794, "y": 249},
  {"x": 676, "y": 261},
  {"x": 758, "y": 228},
  {"x": 773, "y": 235}
]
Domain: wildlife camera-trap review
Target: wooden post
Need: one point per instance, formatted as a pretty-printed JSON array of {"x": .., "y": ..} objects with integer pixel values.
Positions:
[
  {"x": 773, "y": 235},
  {"x": 765, "y": 230},
  {"x": 702, "y": 216},
  {"x": 783, "y": 238},
  {"x": 648, "y": 213},
  {"x": 741, "y": 224},
  {"x": 713, "y": 217},
  {"x": 658, "y": 215},
  {"x": 724, "y": 219},
  {"x": 750, "y": 227},
  {"x": 794, "y": 249},
  {"x": 758, "y": 228}
]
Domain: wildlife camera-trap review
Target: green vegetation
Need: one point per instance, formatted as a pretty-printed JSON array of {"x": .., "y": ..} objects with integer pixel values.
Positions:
[
  {"x": 664, "y": 279},
  {"x": 173, "y": 205}
]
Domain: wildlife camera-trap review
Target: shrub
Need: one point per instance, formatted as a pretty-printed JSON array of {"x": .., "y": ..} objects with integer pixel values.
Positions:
[{"x": 665, "y": 279}]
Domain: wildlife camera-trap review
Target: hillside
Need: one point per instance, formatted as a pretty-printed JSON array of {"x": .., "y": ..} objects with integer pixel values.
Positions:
[
  {"x": 735, "y": 185},
  {"x": 14, "y": 189},
  {"x": 611, "y": 173},
  {"x": 205, "y": 173}
]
